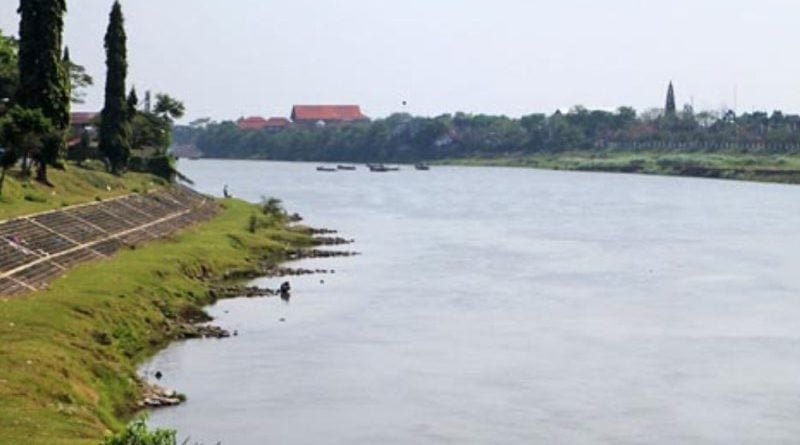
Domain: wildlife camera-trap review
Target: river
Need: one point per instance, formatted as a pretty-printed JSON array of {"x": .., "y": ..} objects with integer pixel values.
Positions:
[{"x": 496, "y": 305}]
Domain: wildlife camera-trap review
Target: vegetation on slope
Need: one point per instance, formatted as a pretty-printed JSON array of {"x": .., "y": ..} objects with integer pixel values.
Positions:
[
  {"x": 69, "y": 353},
  {"x": 76, "y": 185}
]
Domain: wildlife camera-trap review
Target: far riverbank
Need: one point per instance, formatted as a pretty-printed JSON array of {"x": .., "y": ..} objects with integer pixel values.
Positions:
[{"x": 745, "y": 167}]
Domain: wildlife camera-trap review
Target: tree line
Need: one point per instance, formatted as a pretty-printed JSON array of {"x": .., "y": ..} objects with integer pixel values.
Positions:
[
  {"x": 406, "y": 138},
  {"x": 38, "y": 84}
]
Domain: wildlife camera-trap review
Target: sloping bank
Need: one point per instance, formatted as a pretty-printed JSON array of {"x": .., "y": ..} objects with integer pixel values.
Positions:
[{"x": 68, "y": 354}]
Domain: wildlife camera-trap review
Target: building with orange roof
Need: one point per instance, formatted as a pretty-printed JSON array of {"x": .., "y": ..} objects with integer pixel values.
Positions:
[{"x": 327, "y": 114}]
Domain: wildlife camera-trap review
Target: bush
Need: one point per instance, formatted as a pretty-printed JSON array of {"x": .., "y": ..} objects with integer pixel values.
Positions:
[
  {"x": 162, "y": 166},
  {"x": 272, "y": 206},
  {"x": 137, "y": 433}
]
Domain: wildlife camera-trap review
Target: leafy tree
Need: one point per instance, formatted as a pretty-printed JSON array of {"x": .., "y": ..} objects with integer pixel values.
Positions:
[
  {"x": 8, "y": 158},
  {"x": 44, "y": 80},
  {"x": 150, "y": 132},
  {"x": 200, "y": 123},
  {"x": 168, "y": 107},
  {"x": 27, "y": 132},
  {"x": 79, "y": 79},
  {"x": 152, "y": 135},
  {"x": 535, "y": 127},
  {"x": 115, "y": 132},
  {"x": 626, "y": 118},
  {"x": 706, "y": 118},
  {"x": 9, "y": 70},
  {"x": 52, "y": 153},
  {"x": 9, "y": 73}
]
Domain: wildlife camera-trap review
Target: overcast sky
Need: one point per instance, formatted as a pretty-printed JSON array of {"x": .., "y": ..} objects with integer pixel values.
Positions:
[{"x": 227, "y": 58}]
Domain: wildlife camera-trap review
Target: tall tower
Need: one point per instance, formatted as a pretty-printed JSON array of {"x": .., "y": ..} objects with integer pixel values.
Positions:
[{"x": 670, "y": 109}]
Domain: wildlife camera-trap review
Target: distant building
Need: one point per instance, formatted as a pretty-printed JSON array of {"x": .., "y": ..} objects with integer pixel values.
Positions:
[
  {"x": 278, "y": 122},
  {"x": 82, "y": 120},
  {"x": 79, "y": 122},
  {"x": 327, "y": 114},
  {"x": 257, "y": 123},
  {"x": 253, "y": 123}
]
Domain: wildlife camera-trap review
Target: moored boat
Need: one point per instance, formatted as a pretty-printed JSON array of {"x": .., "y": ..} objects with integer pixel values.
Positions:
[
  {"x": 346, "y": 167},
  {"x": 380, "y": 168},
  {"x": 423, "y": 167},
  {"x": 325, "y": 169},
  {"x": 376, "y": 168}
]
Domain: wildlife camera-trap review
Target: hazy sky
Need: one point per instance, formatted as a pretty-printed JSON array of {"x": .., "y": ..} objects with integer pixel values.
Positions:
[{"x": 227, "y": 58}]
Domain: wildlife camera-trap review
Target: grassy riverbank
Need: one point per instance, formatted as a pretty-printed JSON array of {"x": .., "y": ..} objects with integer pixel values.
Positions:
[
  {"x": 75, "y": 185},
  {"x": 68, "y": 355},
  {"x": 763, "y": 168}
]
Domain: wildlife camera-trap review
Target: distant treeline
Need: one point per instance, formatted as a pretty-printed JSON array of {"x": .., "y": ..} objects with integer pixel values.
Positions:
[{"x": 404, "y": 138}]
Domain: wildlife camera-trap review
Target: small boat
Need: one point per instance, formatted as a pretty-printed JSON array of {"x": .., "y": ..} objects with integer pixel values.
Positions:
[
  {"x": 377, "y": 168},
  {"x": 380, "y": 168},
  {"x": 422, "y": 167},
  {"x": 346, "y": 167},
  {"x": 325, "y": 169}
]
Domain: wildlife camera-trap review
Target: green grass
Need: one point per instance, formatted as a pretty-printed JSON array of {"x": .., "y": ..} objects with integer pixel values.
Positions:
[
  {"x": 75, "y": 185},
  {"x": 763, "y": 168},
  {"x": 68, "y": 355}
]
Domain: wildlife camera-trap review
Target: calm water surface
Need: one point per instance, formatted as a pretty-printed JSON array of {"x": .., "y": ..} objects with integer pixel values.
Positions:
[{"x": 509, "y": 306}]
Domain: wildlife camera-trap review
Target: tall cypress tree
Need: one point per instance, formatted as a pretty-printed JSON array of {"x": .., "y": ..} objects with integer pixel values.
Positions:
[
  {"x": 66, "y": 61},
  {"x": 115, "y": 131},
  {"x": 44, "y": 80},
  {"x": 670, "y": 109}
]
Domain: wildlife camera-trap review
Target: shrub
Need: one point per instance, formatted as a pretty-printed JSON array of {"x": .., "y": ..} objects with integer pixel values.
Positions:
[
  {"x": 272, "y": 206},
  {"x": 136, "y": 433}
]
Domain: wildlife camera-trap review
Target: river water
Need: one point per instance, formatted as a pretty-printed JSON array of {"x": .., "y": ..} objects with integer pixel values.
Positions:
[{"x": 508, "y": 306}]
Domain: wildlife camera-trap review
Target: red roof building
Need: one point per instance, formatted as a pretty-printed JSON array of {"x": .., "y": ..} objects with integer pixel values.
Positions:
[
  {"x": 328, "y": 114},
  {"x": 82, "y": 118},
  {"x": 80, "y": 122},
  {"x": 256, "y": 123},
  {"x": 278, "y": 122},
  {"x": 253, "y": 123}
]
